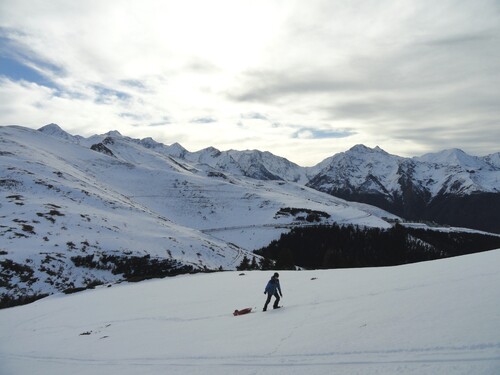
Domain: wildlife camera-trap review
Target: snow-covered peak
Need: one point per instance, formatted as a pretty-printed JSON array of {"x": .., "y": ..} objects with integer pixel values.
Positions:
[
  {"x": 454, "y": 157},
  {"x": 55, "y": 130},
  {"x": 267, "y": 166},
  {"x": 51, "y": 129},
  {"x": 209, "y": 151},
  {"x": 361, "y": 154},
  {"x": 362, "y": 159},
  {"x": 362, "y": 149},
  {"x": 150, "y": 143},
  {"x": 361, "y": 168},
  {"x": 176, "y": 150},
  {"x": 113, "y": 133}
]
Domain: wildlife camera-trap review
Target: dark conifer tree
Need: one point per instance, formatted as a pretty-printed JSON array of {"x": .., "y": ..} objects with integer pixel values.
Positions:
[{"x": 244, "y": 265}]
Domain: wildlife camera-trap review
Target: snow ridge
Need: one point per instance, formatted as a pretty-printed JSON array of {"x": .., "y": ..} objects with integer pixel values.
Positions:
[{"x": 361, "y": 168}]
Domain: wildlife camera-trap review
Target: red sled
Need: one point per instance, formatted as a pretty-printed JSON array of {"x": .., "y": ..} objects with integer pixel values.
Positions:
[{"x": 242, "y": 312}]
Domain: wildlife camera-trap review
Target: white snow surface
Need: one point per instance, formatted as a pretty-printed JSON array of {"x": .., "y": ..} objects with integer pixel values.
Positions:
[{"x": 439, "y": 317}]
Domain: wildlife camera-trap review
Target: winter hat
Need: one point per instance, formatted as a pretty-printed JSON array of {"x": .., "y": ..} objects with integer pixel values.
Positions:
[{"x": 276, "y": 274}]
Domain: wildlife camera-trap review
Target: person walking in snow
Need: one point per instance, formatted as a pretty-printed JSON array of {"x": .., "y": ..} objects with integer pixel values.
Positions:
[{"x": 273, "y": 289}]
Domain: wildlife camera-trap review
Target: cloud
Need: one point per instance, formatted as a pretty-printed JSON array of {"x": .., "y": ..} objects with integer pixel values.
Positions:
[
  {"x": 18, "y": 64},
  {"x": 462, "y": 40},
  {"x": 17, "y": 71},
  {"x": 106, "y": 95},
  {"x": 253, "y": 116},
  {"x": 313, "y": 133},
  {"x": 132, "y": 116},
  {"x": 134, "y": 83},
  {"x": 203, "y": 120},
  {"x": 201, "y": 66},
  {"x": 159, "y": 123},
  {"x": 404, "y": 75}
]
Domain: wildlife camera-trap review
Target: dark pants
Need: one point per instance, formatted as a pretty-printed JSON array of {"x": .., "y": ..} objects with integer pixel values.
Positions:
[{"x": 276, "y": 301}]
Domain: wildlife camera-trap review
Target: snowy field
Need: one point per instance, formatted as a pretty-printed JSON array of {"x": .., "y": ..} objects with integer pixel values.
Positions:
[{"x": 440, "y": 317}]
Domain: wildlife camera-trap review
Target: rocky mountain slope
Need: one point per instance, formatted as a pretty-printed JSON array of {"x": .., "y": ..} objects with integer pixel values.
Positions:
[{"x": 449, "y": 187}]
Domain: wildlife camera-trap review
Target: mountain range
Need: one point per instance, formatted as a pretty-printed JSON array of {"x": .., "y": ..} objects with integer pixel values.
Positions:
[
  {"x": 449, "y": 187},
  {"x": 78, "y": 212}
]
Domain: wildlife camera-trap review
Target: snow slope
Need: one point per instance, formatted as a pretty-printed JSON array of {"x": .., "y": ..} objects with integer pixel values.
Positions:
[{"x": 439, "y": 317}]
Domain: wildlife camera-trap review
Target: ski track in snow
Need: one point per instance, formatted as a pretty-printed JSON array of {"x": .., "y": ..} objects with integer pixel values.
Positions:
[{"x": 371, "y": 361}]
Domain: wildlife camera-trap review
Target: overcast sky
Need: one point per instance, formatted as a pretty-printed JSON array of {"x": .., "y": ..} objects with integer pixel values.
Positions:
[{"x": 301, "y": 79}]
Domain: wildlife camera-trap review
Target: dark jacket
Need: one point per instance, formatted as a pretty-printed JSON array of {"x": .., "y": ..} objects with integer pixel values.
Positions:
[{"x": 272, "y": 286}]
